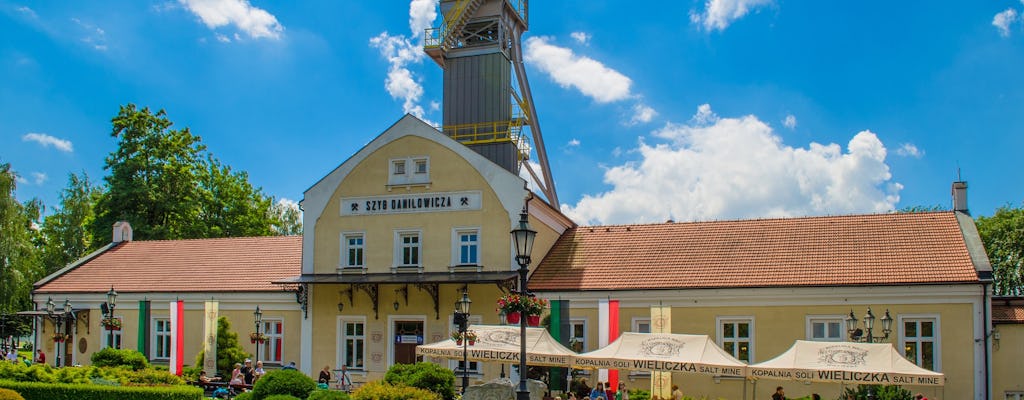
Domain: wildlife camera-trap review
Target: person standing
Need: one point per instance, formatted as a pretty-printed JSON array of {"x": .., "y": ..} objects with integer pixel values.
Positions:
[
  {"x": 598, "y": 391},
  {"x": 678, "y": 394},
  {"x": 779, "y": 394},
  {"x": 622, "y": 394},
  {"x": 325, "y": 375}
]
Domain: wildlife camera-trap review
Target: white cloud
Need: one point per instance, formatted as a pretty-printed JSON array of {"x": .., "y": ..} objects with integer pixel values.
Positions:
[
  {"x": 719, "y": 14},
  {"x": 642, "y": 114},
  {"x": 716, "y": 168},
  {"x": 49, "y": 141},
  {"x": 1003, "y": 20},
  {"x": 789, "y": 121},
  {"x": 38, "y": 177},
  {"x": 587, "y": 75},
  {"x": 574, "y": 142},
  {"x": 422, "y": 14},
  {"x": 400, "y": 83},
  {"x": 92, "y": 35},
  {"x": 20, "y": 179},
  {"x": 909, "y": 150},
  {"x": 256, "y": 22},
  {"x": 221, "y": 38},
  {"x": 582, "y": 37},
  {"x": 27, "y": 11}
]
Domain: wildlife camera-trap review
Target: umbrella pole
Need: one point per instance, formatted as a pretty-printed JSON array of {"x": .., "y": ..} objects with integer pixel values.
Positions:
[{"x": 744, "y": 388}]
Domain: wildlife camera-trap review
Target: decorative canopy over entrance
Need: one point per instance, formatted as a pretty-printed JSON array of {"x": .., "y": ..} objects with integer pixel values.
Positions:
[{"x": 861, "y": 363}]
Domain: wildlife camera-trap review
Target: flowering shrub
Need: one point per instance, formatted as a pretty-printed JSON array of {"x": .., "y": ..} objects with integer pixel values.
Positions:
[{"x": 528, "y": 305}]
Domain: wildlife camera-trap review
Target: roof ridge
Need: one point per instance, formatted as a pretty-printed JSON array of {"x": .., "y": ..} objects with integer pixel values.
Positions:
[{"x": 762, "y": 219}]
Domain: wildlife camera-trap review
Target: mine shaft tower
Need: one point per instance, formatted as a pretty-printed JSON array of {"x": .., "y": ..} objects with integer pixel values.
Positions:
[{"x": 479, "y": 47}]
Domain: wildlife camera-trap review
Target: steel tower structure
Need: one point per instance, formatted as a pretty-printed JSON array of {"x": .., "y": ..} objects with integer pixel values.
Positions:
[{"x": 479, "y": 47}]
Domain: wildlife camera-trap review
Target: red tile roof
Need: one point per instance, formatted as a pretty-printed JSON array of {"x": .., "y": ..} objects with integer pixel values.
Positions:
[
  {"x": 1008, "y": 310},
  {"x": 880, "y": 249},
  {"x": 202, "y": 265}
]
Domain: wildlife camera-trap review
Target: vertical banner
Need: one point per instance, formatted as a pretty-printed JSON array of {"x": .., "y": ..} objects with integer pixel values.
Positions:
[
  {"x": 602, "y": 334},
  {"x": 613, "y": 333},
  {"x": 560, "y": 332},
  {"x": 210, "y": 337},
  {"x": 143, "y": 342},
  {"x": 661, "y": 322},
  {"x": 177, "y": 336}
]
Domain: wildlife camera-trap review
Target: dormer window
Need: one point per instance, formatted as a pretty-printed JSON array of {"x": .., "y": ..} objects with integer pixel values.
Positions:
[{"x": 408, "y": 171}]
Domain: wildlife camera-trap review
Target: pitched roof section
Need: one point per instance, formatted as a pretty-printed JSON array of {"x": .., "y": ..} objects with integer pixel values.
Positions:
[
  {"x": 1008, "y": 310},
  {"x": 245, "y": 264},
  {"x": 881, "y": 249}
]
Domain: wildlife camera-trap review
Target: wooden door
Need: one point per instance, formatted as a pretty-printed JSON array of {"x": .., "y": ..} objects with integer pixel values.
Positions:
[{"x": 407, "y": 335}]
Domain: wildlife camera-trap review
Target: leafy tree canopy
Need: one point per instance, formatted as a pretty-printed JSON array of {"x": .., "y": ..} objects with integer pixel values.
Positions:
[{"x": 1003, "y": 235}]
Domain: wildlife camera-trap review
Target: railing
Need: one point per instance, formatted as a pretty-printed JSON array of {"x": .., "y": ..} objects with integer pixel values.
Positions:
[{"x": 435, "y": 37}]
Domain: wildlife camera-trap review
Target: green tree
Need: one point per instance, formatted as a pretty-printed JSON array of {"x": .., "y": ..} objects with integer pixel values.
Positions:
[
  {"x": 20, "y": 264},
  {"x": 66, "y": 231},
  {"x": 1003, "y": 235},
  {"x": 229, "y": 206},
  {"x": 920, "y": 208},
  {"x": 229, "y": 351},
  {"x": 287, "y": 218},
  {"x": 152, "y": 181}
]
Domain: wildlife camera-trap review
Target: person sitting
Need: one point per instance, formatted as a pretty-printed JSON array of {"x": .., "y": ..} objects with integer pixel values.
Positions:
[
  {"x": 258, "y": 371},
  {"x": 291, "y": 366},
  {"x": 204, "y": 379},
  {"x": 325, "y": 375}
]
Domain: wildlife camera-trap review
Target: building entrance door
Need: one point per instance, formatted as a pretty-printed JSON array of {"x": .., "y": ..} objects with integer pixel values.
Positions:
[{"x": 408, "y": 334}]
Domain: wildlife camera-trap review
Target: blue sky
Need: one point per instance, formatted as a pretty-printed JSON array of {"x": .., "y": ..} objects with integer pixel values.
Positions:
[{"x": 691, "y": 110}]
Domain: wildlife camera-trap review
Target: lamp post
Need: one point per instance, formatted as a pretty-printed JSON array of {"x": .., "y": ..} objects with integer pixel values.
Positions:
[
  {"x": 522, "y": 238},
  {"x": 501, "y": 320},
  {"x": 258, "y": 318},
  {"x": 111, "y": 299},
  {"x": 858, "y": 335},
  {"x": 51, "y": 311},
  {"x": 462, "y": 320}
]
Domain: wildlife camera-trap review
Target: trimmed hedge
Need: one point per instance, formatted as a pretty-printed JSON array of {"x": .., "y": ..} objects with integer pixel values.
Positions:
[
  {"x": 290, "y": 382},
  {"x": 328, "y": 395},
  {"x": 8, "y": 394},
  {"x": 111, "y": 357},
  {"x": 423, "y": 375},
  {"x": 382, "y": 391},
  {"x": 281, "y": 397},
  {"x": 60, "y": 391},
  {"x": 244, "y": 396}
]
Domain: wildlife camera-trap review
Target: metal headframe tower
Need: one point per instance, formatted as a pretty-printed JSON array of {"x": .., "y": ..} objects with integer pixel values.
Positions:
[{"x": 479, "y": 47}]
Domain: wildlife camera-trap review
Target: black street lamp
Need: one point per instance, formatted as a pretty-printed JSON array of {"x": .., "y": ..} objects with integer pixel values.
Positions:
[
  {"x": 522, "y": 238},
  {"x": 857, "y": 334},
  {"x": 58, "y": 317},
  {"x": 501, "y": 320},
  {"x": 462, "y": 320},
  {"x": 258, "y": 318},
  {"x": 111, "y": 299}
]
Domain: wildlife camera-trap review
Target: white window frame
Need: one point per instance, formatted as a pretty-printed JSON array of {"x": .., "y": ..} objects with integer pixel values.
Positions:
[
  {"x": 737, "y": 319},
  {"x": 456, "y": 365},
  {"x": 105, "y": 334},
  {"x": 582, "y": 340},
  {"x": 164, "y": 335},
  {"x": 407, "y": 171},
  {"x": 398, "y": 167},
  {"x": 421, "y": 161},
  {"x": 400, "y": 247},
  {"x": 936, "y": 338},
  {"x": 457, "y": 244},
  {"x": 345, "y": 247},
  {"x": 1014, "y": 395},
  {"x": 826, "y": 319},
  {"x": 343, "y": 339},
  {"x": 274, "y": 339},
  {"x": 637, "y": 321}
]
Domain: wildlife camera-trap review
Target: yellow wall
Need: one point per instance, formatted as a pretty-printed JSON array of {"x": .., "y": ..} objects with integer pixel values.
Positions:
[{"x": 1007, "y": 360}]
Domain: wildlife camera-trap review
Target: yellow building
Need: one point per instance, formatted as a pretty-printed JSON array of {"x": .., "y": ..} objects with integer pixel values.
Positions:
[{"x": 1007, "y": 344}]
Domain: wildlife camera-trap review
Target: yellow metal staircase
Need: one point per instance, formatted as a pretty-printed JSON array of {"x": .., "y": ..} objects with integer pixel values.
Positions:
[{"x": 436, "y": 41}]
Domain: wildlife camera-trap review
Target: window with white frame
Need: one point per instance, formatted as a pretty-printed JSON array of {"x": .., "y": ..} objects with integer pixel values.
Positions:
[
  {"x": 921, "y": 341},
  {"x": 467, "y": 246},
  {"x": 735, "y": 336},
  {"x": 408, "y": 249},
  {"x": 352, "y": 250},
  {"x": 1014, "y": 395},
  {"x": 272, "y": 348},
  {"x": 474, "y": 367},
  {"x": 353, "y": 343},
  {"x": 413, "y": 170},
  {"x": 642, "y": 325},
  {"x": 825, "y": 328},
  {"x": 578, "y": 334},
  {"x": 162, "y": 338},
  {"x": 105, "y": 336}
]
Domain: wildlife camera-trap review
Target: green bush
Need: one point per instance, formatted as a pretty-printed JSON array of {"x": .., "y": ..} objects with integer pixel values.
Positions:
[
  {"x": 423, "y": 375},
  {"x": 382, "y": 391},
  {"x": 893, "y": 392},
  {"x": 639, "y": 394},
  {"x": 59, "y": 391},
  {"x": 284, "y": 381},
  {"x": 229, "y": 351},
  {"x": 244, "y": 396},
  {"x": 328, "y": 395},
  {"x": 281, "y": 397},
  {"x": 8, "y": 394},
  {"x": 111, "y": 357}
]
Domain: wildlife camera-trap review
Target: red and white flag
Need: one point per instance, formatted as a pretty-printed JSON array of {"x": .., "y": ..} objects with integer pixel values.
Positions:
[
  {"x": 607, "y": 332},
  {"x": 177, "y": 336}
]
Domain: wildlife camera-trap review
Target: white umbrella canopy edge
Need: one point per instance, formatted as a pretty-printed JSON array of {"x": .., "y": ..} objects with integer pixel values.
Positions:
[
  {"x": 668, "y": 352},
  {"x": 845, "y": 362},
  {"x": 500, "y": 343}
]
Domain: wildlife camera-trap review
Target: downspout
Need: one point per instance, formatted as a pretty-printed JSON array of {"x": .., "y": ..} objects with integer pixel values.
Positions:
[{"x": 985, "y": 337}]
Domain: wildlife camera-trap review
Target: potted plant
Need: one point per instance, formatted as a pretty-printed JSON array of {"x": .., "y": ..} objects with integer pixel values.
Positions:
[
  {"x": 257, "y": 337},
  {"x": 457, "y": 337},
  {"x": 113, "y": 324},
  {"x": 471, "y": 337},
  {"x": 534, "y": 306},
  {"x": 60, "y": 337},
  {"x": 513, "y": 305}
]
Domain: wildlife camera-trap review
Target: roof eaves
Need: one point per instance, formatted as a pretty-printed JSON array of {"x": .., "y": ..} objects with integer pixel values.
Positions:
[
  {"x": 75, "y": 264},
  {"x": 975, "y": 247}
]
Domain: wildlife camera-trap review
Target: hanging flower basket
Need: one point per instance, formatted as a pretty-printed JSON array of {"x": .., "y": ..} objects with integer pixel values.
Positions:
[
  {"x": 512, "y": 303},
  {"x": 60, "y": 337},
  {"x": 471, "y": 337},
  {"x": 113, "y": 324},
  {"x": 533, "y": 320},
  {"x": 257, "y": 338},
  {"x": 513, "y": 318}
]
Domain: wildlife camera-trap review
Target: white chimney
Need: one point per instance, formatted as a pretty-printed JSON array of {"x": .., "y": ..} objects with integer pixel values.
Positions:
[
  {"x": 960, "y": 197},
  {"x": 122, "y": 232}
]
